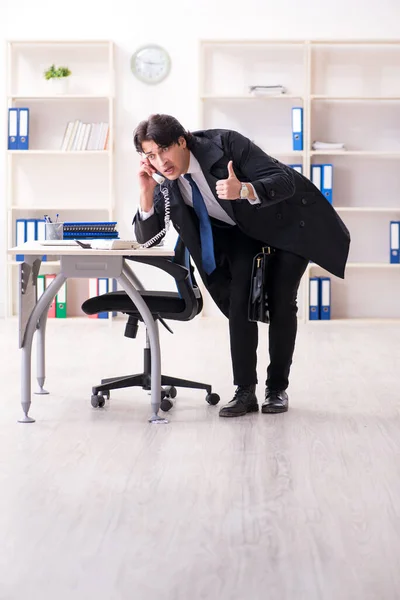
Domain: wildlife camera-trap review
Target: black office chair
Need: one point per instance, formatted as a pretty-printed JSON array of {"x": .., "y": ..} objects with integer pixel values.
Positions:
[{"x": 182, "y": 305}]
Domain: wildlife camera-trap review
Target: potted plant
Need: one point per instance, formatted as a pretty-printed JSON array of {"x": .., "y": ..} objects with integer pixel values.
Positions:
[{"x": 58, "y": 78}]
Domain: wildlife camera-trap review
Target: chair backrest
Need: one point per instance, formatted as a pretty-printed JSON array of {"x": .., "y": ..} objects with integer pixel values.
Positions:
[
  {"x": 181, "y": 270},
  {"x": 186, "y": 307}
]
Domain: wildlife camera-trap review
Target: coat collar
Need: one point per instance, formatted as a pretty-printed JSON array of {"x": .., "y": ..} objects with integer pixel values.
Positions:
[{"x": 207, "y": 152}]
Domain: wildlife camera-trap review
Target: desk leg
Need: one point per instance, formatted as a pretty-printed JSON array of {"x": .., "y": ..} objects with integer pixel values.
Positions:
[
  {"x": 26, "y": 348},
  {"x": 41, "y": 353},
  {"x": 154, "y": 343}
]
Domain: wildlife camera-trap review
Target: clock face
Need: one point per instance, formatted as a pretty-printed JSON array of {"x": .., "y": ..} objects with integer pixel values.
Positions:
[{"x": 151, "y": 64}]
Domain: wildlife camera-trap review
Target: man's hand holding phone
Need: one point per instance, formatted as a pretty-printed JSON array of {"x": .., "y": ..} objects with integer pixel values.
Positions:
[{"x": 146, "y": 184}]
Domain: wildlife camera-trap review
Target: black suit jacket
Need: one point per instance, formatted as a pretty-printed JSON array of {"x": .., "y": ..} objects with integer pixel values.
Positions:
[{"x": 293, "y": 214}]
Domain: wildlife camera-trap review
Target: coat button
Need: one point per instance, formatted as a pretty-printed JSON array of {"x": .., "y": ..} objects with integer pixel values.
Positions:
[
  {"x": 279, "y": 216},
  {"x": 272, "y": 193},
  {"x": 301, "y": 223},
  {"x": 303, "y": 201}
]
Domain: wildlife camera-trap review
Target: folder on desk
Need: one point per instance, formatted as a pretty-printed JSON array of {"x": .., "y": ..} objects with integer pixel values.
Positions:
[
  {"x": 20, "y": 236},
  {"x": 298, "y": 168},
  {"x": 316, "y": 176},
  {"x": 325, "y": 298},
  {"x": 103, "y": 289},
  {"x": 297, "y": 128},
  {"x": 314, "y": 299},
  {"x": 52, "y": 310},
  {"x": 13, "y": 128},
  {"x": 327, "y": 177},
  {"x": 23, "y": 129},
  {"x": 61, "y": 302},
  {"x": 395, "y": 242}
]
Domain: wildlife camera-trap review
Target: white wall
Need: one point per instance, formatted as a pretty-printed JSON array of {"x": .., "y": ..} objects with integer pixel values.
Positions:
[{"x": 178, "y": 25}]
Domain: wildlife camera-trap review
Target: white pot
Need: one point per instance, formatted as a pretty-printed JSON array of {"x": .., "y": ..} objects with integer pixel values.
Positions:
[{"x": 59, "y": 85}]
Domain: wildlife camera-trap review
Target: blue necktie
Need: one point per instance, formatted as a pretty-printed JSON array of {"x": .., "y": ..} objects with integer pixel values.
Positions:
[{"x": 206, "y": 236}]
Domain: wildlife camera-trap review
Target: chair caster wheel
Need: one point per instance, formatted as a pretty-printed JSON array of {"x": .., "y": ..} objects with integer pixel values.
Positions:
[
  {"x": 166, "y": 404},
  {"x": 170, "y": 391},
  {"x": 212, "y": 399},
  {"x": 98, "y": 401},
  {"x": 106, "y": 394}
]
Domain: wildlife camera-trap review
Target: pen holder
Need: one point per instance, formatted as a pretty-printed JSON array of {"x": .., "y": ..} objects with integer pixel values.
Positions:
[{"x": 54, "y": 231}]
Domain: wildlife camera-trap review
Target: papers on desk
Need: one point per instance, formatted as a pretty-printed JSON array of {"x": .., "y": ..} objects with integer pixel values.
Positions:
[
  {"x": 58, "y": 243},
  {"x": 114, "y": 244},
  {"x": 96, "y": 244},
  {"x": 328, "y": 146}
]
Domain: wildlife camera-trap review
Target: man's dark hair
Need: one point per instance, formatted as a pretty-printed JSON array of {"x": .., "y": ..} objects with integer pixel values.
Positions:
[{"x": 164, "y": 130}]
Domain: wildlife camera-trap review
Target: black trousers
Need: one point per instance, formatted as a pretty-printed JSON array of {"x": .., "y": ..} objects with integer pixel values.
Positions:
[{"x": 286, "y": 272}]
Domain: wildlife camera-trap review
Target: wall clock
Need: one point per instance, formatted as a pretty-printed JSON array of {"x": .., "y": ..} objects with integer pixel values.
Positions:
[{"x": 151, "y": 63}]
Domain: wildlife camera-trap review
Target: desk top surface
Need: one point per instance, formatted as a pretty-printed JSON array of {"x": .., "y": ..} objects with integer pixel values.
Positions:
[{"x": 36, "y": 249}]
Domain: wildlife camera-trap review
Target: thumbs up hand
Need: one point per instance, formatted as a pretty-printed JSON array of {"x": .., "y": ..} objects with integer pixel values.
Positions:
[{"x": 229, "y": 189}]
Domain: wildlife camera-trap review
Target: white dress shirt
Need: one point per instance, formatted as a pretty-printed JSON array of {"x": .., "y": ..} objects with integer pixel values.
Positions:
[{"x": 214, "y": 209}]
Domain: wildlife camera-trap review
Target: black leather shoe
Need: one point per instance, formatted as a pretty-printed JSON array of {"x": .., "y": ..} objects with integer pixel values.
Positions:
[
  {"x": 275, "y": 401},
  {"x": 244, "y": 401}
]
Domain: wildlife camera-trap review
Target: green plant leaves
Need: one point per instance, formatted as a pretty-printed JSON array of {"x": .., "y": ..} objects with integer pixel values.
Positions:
[{"x": 52, "y": 72}]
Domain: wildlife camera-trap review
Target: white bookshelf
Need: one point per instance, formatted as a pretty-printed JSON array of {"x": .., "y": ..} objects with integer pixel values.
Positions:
[
  {"x": 77, "y": 184},
  {"x": 350, "y": 93}
]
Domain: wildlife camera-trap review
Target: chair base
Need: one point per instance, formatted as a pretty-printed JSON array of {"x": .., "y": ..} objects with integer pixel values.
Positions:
[{"x": 143, "y": 380}]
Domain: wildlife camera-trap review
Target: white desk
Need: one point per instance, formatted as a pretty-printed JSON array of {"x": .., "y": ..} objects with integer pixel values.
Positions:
[{"x": 82, "y": 263}]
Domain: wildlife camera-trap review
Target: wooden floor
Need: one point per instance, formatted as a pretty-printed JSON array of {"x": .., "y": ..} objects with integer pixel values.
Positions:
[{"x": 100, "y": 504}]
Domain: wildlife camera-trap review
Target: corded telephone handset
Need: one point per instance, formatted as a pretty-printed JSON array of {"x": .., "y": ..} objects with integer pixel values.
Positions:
[{"x": 164, "y": 190}]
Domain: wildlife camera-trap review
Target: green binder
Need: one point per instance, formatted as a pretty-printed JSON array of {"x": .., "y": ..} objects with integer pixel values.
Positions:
[{"x": 61, "y": 302}]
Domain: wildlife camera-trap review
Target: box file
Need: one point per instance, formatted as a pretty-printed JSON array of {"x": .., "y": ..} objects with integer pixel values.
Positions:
[
  {"x": 297, "y": 128},
  {"x": 314, "y": 299},
  {"x": 23, "y": 129},
  {"x": 325, "y": 298},
  {"x": 13, "y": 128},
  {"x": 395, "y": 242},
  {"x": 61, "y": 302}
]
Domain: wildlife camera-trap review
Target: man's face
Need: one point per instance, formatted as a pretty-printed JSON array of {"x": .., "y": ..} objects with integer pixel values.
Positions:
[{"x": 171, "y": 162}]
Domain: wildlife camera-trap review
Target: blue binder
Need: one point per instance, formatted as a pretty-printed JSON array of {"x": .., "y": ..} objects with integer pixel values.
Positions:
[
  {"x": 41, "y": 233},
  {"x": 327, "y": 180},
  {"x": 13, "y": 128},
  {"x": 297, "y": 128},
  {"x": 298, "y": 168},
  {"x": 23, "y": 129},
  {"x": 31, "y": 230},
  {"x": 325, "y": 298},
  {"x": 20, "y": 236},
  {"x": 314, "y": 299},
  {"x": 316, "y": 176},
  {"x": 395, "y": 242}
]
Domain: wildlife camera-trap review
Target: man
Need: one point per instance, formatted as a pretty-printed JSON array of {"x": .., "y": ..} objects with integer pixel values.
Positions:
[{"x": 228, "y": 200}]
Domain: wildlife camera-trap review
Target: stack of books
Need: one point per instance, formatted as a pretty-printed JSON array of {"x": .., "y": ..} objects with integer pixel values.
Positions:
[
  {"x": 267, "y": 90},
  {"x": 90, "y": 230},
  {"x": 85, "y": 136},
  {"x": 328, "y": 146}
]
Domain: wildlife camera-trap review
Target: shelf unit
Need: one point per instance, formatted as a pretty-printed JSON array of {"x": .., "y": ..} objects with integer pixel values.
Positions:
[
  {"x": 350, "y": 93},
  {"x": 44, "y": 179}
]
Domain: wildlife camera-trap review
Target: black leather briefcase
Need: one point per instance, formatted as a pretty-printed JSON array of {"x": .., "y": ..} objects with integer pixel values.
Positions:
[{"x": 258, "y": 297}]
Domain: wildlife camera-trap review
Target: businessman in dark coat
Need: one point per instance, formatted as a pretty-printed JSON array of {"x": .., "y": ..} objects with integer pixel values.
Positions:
[{"x": 228, "y": 200}]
